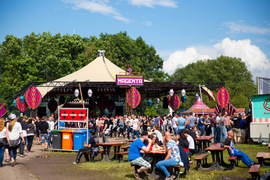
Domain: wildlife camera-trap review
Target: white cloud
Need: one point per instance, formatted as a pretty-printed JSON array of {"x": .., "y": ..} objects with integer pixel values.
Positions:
[
  {"x": 153, "y": 3},
  {"x": 180, "y": 59},
  {"x": 255, "y": 59},
  {"x": 97, "y": 6},
  {"x": 241, "y": 28}
]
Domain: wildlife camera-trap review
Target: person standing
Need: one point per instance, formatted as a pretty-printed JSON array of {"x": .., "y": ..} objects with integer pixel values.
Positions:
[
  {"x": 106, "y": 130},
  {"x": 44, "y": 132},
  {"x": 236, "y": 128},
  {"x": 173, "y": 156},
  {"x": 227, "y": 122},
  {"x": 181, "y": 123},
  {"x": 192, "y": 121},
  {"x": 218, "y": 119},
  {"x": 129, "y": 123},
  {"x": 24, "y": 131},
  {"x": 243, "y": 128},
  {"x": 222, "y": 127},
  {"x": 15, "y": 137},
  {"x": 51, "y": 127},
  {"x": 157, "y": 121},
  {"x": 201, "y": 125},
  {"x": 207, "y": 123},
  {"x": 4, "y": 140},
  {"x": 213, "y": 126},
  {"x": 136, "y": 127},
  {"x": 30, "y": 134},
  {"x": 174, "y": 125}
]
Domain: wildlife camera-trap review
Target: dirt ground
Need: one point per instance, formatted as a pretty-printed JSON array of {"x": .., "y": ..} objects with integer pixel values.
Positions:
[{"x": 47, "y": 165}]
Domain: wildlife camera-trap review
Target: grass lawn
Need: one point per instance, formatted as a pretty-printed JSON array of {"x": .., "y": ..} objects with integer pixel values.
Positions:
[{"x": 125, "y": 171}]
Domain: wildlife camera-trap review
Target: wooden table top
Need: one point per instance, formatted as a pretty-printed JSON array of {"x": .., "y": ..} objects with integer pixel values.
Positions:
[
  {"x": 215, "y": 147},
  {"x": 266, "y": 156},
  {"x": 131, "y": 140},
  {"x": 157, "y": 152},
  {"x": 260, "y": 154},
  {"x": 204, "y": 138},
  {"x": 112, "y": 144}
]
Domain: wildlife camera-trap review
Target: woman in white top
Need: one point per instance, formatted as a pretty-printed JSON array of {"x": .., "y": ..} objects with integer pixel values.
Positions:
[
  {"x": 4, "y": 140},
  {"x": 15, "y": 136},
  {"x": 159, "y": 135}
]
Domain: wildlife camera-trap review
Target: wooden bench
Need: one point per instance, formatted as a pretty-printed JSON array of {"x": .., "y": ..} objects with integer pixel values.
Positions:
[
  {"x": 260, "y": 156},
  {"x": 254, "y": 171},
  {"x": 177, "y": 168},
  {"x": 121, "y": 154},
  {"x": 101, "y": 151},
  {"x": 233, "y": 161},
  {"x": 125, "y": 148},
  {"x": 199, "y": 159}
]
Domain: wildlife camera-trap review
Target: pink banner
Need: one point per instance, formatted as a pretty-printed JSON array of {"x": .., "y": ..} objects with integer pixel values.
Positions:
[{"x": 129, "y": 80}]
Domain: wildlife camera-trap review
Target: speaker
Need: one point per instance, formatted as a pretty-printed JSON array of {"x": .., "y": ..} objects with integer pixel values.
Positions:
[
  {"x": 165, "y": 103},
  {"x": 119, "y": 110}
]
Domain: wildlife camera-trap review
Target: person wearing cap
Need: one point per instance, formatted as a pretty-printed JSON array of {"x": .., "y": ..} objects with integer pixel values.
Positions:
[
  {"x": 15, "y": 137},
  {"x": 135, "y": 153}
]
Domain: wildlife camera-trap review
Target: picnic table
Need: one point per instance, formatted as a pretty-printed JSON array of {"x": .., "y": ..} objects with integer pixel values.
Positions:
[
  {"x": 217, "y": 157},
  {"x": 156, "y": 155},
  {"x": 107, "y": 146},
  {"x": 204, "y": 142},
  {"x": 263, "y": 157},
  {"x": 131, "y": 140}
]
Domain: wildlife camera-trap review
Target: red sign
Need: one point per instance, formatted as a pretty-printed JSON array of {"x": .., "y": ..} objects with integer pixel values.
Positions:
[
  {"x": 266, "y": 104},
  {"x": 73, "y": 114}
]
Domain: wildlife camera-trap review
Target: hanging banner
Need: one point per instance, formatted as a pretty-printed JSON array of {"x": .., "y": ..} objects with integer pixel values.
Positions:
[
  {"x": 33, "y": 97},
  {"x": 73, "y": 114},
  {"x": 21, "y": 106},
  {"x": 129, "y": 80},
  {"x": 174, "y": 102},
  {"x": 134, "y": 97},
  {"x": 223, "y": 97}
]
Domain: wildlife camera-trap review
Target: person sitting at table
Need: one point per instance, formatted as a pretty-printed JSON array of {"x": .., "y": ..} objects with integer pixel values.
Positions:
[
  {"x": 91, "y": 147},
  {"x": 183, "y": 142},
  {"x": 173, "y": 156},
  {"x": 228, "y": 143},
  {"x": 136, "y": 149},
  {"x": 159, "y": 135},
  {"x": 154, "y": 144},
  {"x": 190, "y": 140}
]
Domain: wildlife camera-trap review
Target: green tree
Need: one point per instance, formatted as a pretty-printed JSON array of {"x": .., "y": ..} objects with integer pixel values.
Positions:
[{"x": 232, "y": 71}]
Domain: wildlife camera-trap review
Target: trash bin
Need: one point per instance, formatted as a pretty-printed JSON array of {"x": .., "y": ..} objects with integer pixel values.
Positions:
[
  {"x": 57, "y": 139},
  {"x": 67, "y": 139},
  {"x": 78, "y": 137}
]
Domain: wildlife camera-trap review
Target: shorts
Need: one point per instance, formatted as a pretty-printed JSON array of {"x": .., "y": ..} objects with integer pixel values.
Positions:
[
  {"x": 141, "y": 162},
  {"x": 236, "y": 132},
  {"x": 43, "y": 138},
  {"x": 243, "y": 133}
]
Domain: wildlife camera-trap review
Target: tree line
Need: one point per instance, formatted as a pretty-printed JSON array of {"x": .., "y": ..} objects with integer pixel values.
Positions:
[{"x": 46, "y": 57}]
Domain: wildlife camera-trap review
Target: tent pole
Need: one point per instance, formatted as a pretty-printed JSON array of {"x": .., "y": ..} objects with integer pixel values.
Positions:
[
  {"x": 81, "y": 94},
  {"x": 201, "y": 98}
]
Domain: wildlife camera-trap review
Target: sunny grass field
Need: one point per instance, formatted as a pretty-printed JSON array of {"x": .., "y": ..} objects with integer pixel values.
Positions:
[{"x": 125, "y": 171}]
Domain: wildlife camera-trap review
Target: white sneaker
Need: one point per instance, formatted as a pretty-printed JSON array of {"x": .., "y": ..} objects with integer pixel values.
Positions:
[{"x": 74, "y": 162}]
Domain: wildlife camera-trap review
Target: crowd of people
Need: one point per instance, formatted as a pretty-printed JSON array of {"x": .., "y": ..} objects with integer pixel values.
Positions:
[{"x": 17, "y": 134}]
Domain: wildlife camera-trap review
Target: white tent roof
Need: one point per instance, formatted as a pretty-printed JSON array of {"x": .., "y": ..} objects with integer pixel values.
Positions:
[{"x": 99, "y": 70}]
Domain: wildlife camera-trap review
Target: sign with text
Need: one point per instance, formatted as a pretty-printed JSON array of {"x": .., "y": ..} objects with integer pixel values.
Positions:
[
  {"x": 129, "y": 80},
  {"x": 73, "y": 114}
]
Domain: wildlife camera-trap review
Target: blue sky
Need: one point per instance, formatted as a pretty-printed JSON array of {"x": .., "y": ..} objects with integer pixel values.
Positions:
[{"x": 182, "y": 31}]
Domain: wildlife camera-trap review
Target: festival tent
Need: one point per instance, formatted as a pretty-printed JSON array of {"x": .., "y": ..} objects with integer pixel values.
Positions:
[
  {"x": 99, "y": 70},
  {"x": 197, "y": 106}
]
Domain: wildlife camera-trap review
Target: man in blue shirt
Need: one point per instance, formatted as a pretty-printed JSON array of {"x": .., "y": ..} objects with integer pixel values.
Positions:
[
  {"x": 135, "y": 153},
  {"x": 181, "y": 123},
  {"x": 157, "y": 121}
]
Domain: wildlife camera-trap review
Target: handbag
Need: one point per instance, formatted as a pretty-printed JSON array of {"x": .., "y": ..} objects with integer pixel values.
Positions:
[
  {"x": 3, "y": 142},
  {"x": 15, "y": 143}
]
